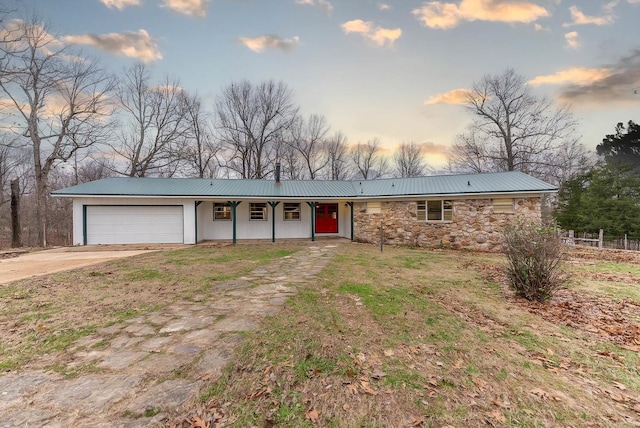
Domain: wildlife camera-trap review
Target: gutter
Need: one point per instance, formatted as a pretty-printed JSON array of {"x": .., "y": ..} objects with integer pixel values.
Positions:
[{"x": 516, "y": 193}]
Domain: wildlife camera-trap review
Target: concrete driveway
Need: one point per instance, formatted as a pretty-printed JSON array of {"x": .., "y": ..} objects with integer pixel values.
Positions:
[{"x": 65, "y": 258}]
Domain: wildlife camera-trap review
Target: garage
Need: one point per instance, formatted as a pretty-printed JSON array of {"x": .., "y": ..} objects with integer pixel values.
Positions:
[{"x": 139, "y": 224}]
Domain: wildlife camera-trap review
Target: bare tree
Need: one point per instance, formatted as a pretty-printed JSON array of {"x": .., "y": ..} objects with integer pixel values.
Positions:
[
  {"x": 308, "y": 137},
  {"x": 368, "y": 161},
  {"x": 337, "y": 157},
  {"x": 200, "y": 149},
  {"x": 6, "y": 173},
  {"x": 409, "y": 161},
  {"x": 513, "y": 130},
  {"x": 155, "y": 124},
  {"x": 291, "y": 162},
  {"x": 251, "y": 121},
  {"x": 54, "y": 93}
]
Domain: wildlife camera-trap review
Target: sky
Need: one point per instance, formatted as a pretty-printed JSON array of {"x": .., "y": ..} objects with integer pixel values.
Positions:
[{"x": 393, "y": 70}]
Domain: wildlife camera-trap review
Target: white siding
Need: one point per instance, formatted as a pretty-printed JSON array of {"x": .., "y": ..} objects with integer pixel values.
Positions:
[
  {"x": 180, "y": 205},
  {"x": 208, "y": 229}
]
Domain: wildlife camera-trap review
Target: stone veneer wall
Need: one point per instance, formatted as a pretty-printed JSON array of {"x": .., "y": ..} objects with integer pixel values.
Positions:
[{"x": 475, "y": 226}]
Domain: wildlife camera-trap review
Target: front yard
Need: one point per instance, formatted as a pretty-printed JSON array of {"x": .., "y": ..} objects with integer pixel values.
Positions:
[{"x": 406, "y": 337}]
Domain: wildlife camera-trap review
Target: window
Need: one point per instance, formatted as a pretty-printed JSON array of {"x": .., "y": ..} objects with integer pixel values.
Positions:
[
  {"x": 258, "y": 211},
  {"x": 374, "y": 207},
  {"x": 504, "y": 205},
  {"x": 221, "y": 211},
  {"x": 291, "y": 211},
  {"x": 435, "y": 210}
]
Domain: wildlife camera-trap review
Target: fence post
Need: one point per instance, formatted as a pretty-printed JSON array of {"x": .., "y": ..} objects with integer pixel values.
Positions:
[
  {"x": 571, "y": 241},
  {"x": 625, "y": 241},
  {"x": 600, "y": 239}
]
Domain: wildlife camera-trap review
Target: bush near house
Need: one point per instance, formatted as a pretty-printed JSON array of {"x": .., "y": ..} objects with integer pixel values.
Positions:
[{"x": 534, "y": 259}]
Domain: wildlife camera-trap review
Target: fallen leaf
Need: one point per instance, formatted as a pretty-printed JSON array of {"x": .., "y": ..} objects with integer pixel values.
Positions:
[
  {"x": 416, "y": 422},
  {"x": 501, "y": 404},
  {"x": 458, "y": 364},
  {"x": 312, "y": 415},
  {"x": 366, "y": 388},
  {"x": 197, "y": 422},
  {"x": 479, "y": 382},
  {"x": 378, "y": 374},
  {"x": 619, "y": 386},
  {"x": 389, "y": 353},
  {"x": 540, "y": 393},
  {"x": 497, "y": 415}
]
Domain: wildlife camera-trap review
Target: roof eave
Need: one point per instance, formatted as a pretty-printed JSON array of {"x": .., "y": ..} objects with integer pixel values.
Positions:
[{"x": 340, "y": 197}]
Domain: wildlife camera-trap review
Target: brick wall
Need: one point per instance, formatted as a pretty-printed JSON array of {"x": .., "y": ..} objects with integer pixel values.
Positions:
[{"x": 475, "y": 225}]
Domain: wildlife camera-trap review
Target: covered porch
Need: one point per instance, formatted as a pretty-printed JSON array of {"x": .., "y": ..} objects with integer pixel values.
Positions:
[{"x": 238, "y": 219}]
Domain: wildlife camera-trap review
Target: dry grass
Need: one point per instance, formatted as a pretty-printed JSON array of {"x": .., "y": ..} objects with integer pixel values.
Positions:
[
  {"x": 402, "y": 338},
  {"x": 423, "y": 338},
  {"x": 41, "y": 315}
]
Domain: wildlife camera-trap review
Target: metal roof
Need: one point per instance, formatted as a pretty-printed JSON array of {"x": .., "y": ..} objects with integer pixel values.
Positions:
[{"x": 499, "y": 182}]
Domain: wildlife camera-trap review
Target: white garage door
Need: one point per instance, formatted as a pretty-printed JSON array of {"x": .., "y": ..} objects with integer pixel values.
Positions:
[{"x": 134, "y": 224}]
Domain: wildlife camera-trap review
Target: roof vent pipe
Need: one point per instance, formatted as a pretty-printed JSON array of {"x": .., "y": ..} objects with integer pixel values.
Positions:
[{"x": 278, "y": 173}]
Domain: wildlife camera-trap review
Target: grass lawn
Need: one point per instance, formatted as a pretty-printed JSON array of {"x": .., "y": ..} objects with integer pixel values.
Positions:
[
  {"x": 407, "y": 337},
  {"x": 430, "y": 338}
]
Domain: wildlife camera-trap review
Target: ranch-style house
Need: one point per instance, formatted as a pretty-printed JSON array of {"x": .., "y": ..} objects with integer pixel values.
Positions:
[{"x": 460, "y": 211}]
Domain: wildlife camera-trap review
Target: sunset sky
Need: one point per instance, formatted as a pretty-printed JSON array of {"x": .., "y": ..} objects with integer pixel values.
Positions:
[{"x": 393, "y": 69}]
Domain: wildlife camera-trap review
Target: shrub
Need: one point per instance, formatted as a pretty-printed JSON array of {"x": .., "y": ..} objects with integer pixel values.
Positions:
[{"x": 534, "y": 256}]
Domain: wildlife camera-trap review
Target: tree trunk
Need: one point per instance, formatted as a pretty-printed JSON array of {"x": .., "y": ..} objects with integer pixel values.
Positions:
[
  {"x": 41, "y": 208},
  {"x": 16, "y": 230}
]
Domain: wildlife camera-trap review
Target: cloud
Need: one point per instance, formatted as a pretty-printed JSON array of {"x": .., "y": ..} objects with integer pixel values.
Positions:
[
  {"x": 120, "y": 4},
  {"x": 602, "y": 86},
  {"x": 378, "y": 35},
  {"x": 323, "y": 5},
  {"x": 444, "y": 16},
  {"x": 13, "y": 33},
  {"x": 430, "y": 149},
  {"x": 197, "y": 8},
  {"x": 575, "y": 75},
  {"x": 385, "y": 6},
  {"x": 139, "y": 45},
  {"x": 572, "y": 40},
  {"x": 456, "y": 96},
  {"x": 269, "y": 41},
  {"x": 634, "y": 1},
  {"x": 579, "y": 18}
]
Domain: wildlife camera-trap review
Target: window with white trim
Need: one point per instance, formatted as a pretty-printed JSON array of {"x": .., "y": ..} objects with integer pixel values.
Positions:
[
  {"x": 435, "y": 210},
  {"x": 221, "y": 211},
  {"x": 291, "y": 211},
  {"x": 257, "y": 211},
  {"x": 503, "y": 205}
]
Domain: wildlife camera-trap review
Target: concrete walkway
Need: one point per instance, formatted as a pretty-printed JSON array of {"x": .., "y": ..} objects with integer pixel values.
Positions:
[{"x": 156, "y": 362}]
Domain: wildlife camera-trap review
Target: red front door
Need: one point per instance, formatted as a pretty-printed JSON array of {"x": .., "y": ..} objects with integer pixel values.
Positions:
[{"x": 327, "y": 218}]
